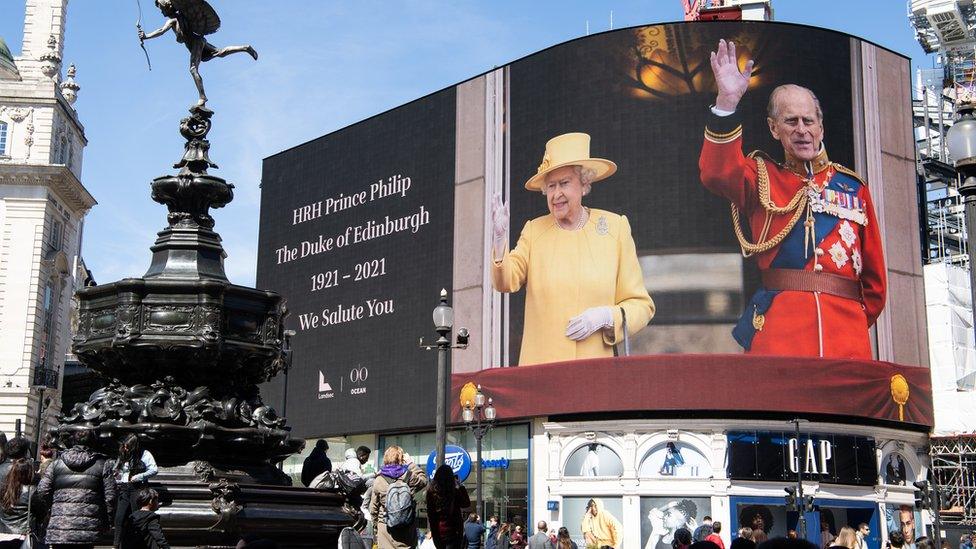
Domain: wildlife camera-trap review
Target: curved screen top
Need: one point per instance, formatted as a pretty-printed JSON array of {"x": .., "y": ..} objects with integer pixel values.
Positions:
[{"x": 598, "y": 35}]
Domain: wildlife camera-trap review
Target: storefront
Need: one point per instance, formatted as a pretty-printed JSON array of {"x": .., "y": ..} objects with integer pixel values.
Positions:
[
  {"x": 653, "y": 478},
  {"x": 504, "y": 460}
]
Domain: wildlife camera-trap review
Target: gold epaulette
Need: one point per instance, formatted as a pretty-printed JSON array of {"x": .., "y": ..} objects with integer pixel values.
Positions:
[
  {"x": 765, "y": 156},
  {"x": 848, "y": 171},
  {"x": 722, "y": 138}
]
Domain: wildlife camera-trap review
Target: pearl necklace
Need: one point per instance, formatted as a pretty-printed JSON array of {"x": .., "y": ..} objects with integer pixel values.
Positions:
[{"x": 583, "y": 219}]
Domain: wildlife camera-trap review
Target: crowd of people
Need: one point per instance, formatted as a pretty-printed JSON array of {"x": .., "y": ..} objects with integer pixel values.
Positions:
[{"x": 77, "y": 497}]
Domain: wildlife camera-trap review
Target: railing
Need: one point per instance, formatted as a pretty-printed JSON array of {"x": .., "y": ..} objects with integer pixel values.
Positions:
[{"x": 45, "y": 377}]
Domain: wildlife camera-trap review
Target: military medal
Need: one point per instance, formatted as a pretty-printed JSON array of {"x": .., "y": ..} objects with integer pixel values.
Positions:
[{"x": 758, "y": 319}]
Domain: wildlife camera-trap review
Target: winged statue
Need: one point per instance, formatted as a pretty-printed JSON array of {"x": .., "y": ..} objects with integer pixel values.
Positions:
[{"x": 191, "y": 21}]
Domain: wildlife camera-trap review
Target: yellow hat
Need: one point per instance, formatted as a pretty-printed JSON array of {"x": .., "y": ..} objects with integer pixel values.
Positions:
[{"x": 569, "y": 149}]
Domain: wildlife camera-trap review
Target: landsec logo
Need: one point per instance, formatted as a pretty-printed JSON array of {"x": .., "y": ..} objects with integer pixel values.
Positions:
[{"x": 325, "y": 389}]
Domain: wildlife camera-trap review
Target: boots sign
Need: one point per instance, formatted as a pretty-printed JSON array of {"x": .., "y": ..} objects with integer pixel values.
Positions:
[{"x": 779, "y": 456}]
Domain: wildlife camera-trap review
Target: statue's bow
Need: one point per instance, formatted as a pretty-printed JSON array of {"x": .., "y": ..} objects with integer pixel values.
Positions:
[{"x": 142, "y": 43}]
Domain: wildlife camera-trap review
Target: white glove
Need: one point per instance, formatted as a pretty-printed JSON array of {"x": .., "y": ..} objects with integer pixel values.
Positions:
[
  {"x": 582, "y": 326},
  {"x": 499, "y": 226}
]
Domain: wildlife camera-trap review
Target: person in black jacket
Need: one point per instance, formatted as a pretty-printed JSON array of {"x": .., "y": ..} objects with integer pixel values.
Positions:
[
  {"x": 79, "y": 488},
  {"x": 145, "y": 523},
  {"x": 134, "y": 467},
  {"x": 316, "y": 463},
  {"x": 446, "y": 498}
]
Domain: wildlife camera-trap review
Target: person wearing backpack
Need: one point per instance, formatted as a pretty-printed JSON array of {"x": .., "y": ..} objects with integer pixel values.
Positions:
[{"x": 392, "y": 503}]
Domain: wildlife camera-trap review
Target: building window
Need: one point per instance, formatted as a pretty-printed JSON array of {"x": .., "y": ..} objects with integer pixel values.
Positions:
[
  {"x": 62, "y": 149},
  {"x": 3, "y": 138},
  {"x": 593, "y": 460},
  {"x": 56, "y": 236},
  {"x": 675, "y": 460}
]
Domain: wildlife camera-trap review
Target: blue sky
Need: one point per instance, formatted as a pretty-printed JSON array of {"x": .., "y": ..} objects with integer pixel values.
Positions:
[{"x": 323, "y": 65}]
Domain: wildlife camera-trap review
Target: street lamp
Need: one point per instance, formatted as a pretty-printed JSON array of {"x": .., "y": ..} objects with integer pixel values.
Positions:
[
  {"x": 796, "y": 494},
  {"x": 961, "y": 140},
  {"x": 443, "y": 317},
  {"x": 479, "y": 418}
]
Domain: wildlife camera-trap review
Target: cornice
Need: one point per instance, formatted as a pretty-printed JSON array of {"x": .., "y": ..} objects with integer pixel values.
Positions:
[
  {"x": 566, "y": 428},
  {"x": 58, "y": 178}
]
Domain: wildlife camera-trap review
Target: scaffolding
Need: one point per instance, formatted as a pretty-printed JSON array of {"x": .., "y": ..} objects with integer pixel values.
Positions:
[
  {"x": 946, "y": 28},
  {"x": 954, "y": 471}
]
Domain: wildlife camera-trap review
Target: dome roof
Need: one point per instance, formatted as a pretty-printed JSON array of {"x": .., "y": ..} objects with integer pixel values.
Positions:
[{"x": 7, "y": 65}]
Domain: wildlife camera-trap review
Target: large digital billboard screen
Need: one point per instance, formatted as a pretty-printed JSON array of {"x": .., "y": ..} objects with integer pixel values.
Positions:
[
  {"x": 357, "y": 233},
  {"x": 360, "y": 229}
]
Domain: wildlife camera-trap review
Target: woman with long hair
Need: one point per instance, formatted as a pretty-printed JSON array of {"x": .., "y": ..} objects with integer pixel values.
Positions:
[
  {"x": 446, "y": 497},
  {"x": 563, "y": 541},
  {"x": 846, "y": 538},
  {"x": 133, "y": 469},
  {"x": 17, "y": 497}
]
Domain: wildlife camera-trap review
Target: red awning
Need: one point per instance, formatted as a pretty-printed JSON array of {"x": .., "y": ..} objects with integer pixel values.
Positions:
[{"x": 850, "y": 389}]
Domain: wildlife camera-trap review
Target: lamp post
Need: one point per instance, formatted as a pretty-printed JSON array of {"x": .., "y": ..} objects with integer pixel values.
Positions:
[
  {"x": 443, "y": 322},
  {"x": 961, "y": 139},
  {"x": 797, "y": 493},
  {"x": 479, "y": 418}
]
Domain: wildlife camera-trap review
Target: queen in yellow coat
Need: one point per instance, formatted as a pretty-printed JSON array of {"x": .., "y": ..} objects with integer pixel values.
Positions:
[{"x": 578, "y": 265}]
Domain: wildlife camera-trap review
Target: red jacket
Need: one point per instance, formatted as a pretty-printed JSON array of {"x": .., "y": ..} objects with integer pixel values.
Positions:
[{"x": 847, "y": 243}]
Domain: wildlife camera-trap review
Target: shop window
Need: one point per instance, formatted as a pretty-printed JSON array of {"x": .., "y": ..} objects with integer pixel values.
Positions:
[
  {"x": 594, "y": 460},
  {"x": 905, "y": 519},
  {"x": 578, "y": 512},
  {"x": 895, "y": 470},
  {"x": 675, "y": 459},
  {"x": 661, "y": 517},
  {"x": 505, "y": 467}
]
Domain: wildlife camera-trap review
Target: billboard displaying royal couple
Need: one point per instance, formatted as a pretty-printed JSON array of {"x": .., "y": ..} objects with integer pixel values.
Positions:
[
  {"x": 642, "y": 194},
  {"x": 630, "y": 211}
]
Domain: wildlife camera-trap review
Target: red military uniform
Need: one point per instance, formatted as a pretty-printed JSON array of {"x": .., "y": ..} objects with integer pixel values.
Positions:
[{"x": 814, "y": 234}]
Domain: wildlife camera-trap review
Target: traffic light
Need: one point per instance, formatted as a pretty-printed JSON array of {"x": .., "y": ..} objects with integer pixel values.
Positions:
[
  {"x": 923, "y": 496},
  {"x": 808, "y": 506},
  {"x": 790, "y": 498}
]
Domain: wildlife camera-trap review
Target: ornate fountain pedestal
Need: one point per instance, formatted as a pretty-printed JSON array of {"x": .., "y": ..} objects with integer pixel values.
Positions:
[{"x": 185, "y": 350}]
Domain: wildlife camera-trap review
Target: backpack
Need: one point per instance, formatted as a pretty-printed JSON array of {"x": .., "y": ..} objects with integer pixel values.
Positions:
[
  {"x": 401, "y": 509},
  {"x": 349, "y": 538}
]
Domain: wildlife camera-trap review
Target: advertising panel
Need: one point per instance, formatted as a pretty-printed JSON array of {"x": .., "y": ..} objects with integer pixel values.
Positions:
[
  {"x": 357, "y": 227},
  {"x": 357, "y": 234},
  {"x": 661, "y": 517},
  {"x": 594, "y": 521}
]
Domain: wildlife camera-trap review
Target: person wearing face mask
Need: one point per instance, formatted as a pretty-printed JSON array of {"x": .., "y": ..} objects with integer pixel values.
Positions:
[
  {"x": 809, "y": 222},
  {"x": 578, "y": 265}
]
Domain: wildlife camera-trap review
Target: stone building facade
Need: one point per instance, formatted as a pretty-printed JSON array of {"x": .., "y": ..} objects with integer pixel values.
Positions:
[{"x": 42, "y": 210}]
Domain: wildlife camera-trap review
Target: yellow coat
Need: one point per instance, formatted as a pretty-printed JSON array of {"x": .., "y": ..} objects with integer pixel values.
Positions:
[{"x": 565, "y": 273}]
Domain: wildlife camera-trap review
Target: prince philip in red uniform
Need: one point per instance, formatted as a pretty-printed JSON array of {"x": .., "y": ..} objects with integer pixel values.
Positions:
[{"x": 809, "y": 222}]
